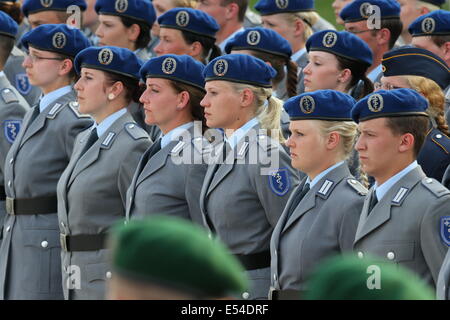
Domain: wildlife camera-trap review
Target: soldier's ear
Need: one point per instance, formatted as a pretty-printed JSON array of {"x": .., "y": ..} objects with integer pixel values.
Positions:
[
  {"x": 66, "y": 67},
  {"x": 407, "y": 142}
]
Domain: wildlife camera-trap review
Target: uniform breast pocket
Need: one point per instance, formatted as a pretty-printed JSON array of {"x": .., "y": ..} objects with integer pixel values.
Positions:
[
  {"x": 396, "y": 251},
  {"x": 41, "y": 261}
]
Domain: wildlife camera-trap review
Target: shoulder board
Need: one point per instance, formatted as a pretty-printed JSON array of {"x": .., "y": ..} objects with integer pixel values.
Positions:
[
  {"x": 435, "y": 187},
  {"x": 135, "y": 131},
  {"x": 442, "y": 141},
  {"x": 107, "y": 142},
  {"x": 178, "y": 147},
  {"x": 326, "y": 188},
  {"x": 357, "y": 186},
  {"x": 9, "y": 96},
  {"x": 17, "y": 52},
  {"x": 201, "y": 145},
  {"x": 400, "y": 196},
  {"x": 74, "y": 107},
  {"x": 54, "y": 110}
]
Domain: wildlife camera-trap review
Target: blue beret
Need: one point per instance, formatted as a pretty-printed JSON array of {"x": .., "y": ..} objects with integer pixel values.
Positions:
[
  {"x": 411, "y": 61},
  {"x": 320, "y": 105},
  {"x": 141, "y": 10},
  {"x": 390, "y": 103},
  {"x": 435, "y": 23},
  {"x": 110, "y": 59},
  {"x": 343, "y": 44},
  {"x": 8, "y": 27},
  {"x": 57, "y": 38},
  {"x": 191, "y": 20},
  {"x": 182, "y": 68},
  {"x": 359, "y": 10},
  {"x": 260, "y": 39},
  {"x": 241, "y": 68},
  {"x": 32, "y": 6},
  {"x": 267, "y": 7}
]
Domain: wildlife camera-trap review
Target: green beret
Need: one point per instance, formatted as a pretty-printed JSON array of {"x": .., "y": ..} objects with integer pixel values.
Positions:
[
  {"x": 351, "y": 278},
  {"x": 176, "y": 254}
]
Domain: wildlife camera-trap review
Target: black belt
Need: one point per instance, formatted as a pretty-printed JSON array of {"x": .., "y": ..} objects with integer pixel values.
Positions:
[
  {"x": 284, "y": 294},
  {"x": 2, "y": 193},
  {"x": 41, "y": 205},
  {"x": 83, "y": 242},
  {"x": 255, "y": 261}
]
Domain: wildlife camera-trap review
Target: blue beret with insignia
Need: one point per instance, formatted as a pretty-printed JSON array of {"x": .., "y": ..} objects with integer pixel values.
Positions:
[
  {"x": 320, "y": 105},
  {"x": 8, "y": 27},
  {"x": 57, "y": 38},
  {"x": 267, "y": 7},
  {"x": 182, "y": 68},
  {"x": 110, "y": 59},
  {"x": 191, "y": 20},
  {"x": 359, "y": 10},
  {"x": 32, "y": 6},
  {"x": 435, "y": 23},
  {"x": 411, "y": 61},
  {"x": 390, "y": 103},
  {"x": 141, "y": 10},
  {"x": 241, "y": 68},
  {"x": 343, "y": 44},
  {"x": 260, "y": 39}
]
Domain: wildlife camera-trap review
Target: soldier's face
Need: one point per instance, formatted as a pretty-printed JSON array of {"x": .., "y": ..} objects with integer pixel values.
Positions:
[
  {"x": 426, "y": 43},
  {"x": 91, "y": 91},
  {"x": 112, "y": 32},
  {"x": 338, "y": 5},
  {"x": 45, "y": 17},
  {"x": 361, "y": 30},
  {"x": 321, "y": 72},
  {"x": 280, "y": 24},
  {"x": 409, "y": 11},
  {"x": 216, "y": 10},
  {"x": 160, "y": 102},
  {"x": 171, "y": 42},
  {"x": 162, "y": 6},
  {"x": 378, "y": 148},
  {"x": 222, "y": 105},
  {"x": 306, "y": 147}
]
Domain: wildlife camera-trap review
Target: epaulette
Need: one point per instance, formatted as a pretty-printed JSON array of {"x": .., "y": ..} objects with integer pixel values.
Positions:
[
  {"x": 135, "y": 131},
  {"x": 54, "y": 110},
  {"x": 357, "y": 186},
  {"x": 265, "y": 143},
  {"x": 442, "y": 141},
  {"x": 435, "y": 187},
  {"x": 9, "y": 96}
]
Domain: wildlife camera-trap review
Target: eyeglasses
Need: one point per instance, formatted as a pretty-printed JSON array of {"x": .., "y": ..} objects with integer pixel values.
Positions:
[
  {"x": 34, "y": 58},
  {"x": 384, "y": 86}
]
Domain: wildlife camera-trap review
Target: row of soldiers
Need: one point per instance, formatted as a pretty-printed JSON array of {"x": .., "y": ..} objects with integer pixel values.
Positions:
[{"x": 204, "y": 140}]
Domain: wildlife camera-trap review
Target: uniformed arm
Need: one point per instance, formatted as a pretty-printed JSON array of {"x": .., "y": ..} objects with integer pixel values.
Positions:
[
  {"x": 433, "y": 247},
  {"x": 272, "y": 200},
  {"x": 129, "y": 164}
]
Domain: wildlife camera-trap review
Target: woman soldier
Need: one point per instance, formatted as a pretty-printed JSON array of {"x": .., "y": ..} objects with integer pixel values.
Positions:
[
  {"x": 338, "y": 61},
  {"x": 169, "y": 176},
  {"x": 322, "y": 215},
  {"x": 92, "y": 189},
  {"x": 188, "y": 31},
  {"x": 125, "y": 24},
  {"x": 30, "y": 265},
  {"x": 243, "y": 197},
  {"x": 423, "y": 71}
]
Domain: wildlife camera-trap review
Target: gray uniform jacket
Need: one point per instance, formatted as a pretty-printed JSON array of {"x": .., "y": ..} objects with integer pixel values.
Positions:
[
  {"x": 442, "y": 292},
  {"x": 170, "y": 181},
  {"x": 243, "y": 205},
  {"x": 17, "y": 76},
  {"x": 301, "y": 63},
  {"x": 12, "y": 110},
  {"x": 91, "y": 197},
  {"x": 323, "y": 225},
  {"x": 30, "y": 264},
  {"x": 404, "y": 226}
]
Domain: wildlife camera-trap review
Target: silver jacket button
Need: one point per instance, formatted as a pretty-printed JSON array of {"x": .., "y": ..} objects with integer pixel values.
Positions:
[
  {"x": 390, "y": 255},
  {"x": 44, "y": 244}
]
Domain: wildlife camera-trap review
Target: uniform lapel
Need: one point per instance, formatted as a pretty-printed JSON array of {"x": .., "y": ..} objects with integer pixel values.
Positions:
[{"x": 383, "y": 209}]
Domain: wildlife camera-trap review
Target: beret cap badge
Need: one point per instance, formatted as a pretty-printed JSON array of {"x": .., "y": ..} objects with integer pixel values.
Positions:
[
  {"x": 59, "y": 40},
  {"x": 182, "y": 18},
  {"x": 307, "y": 104},
  {"x": 428, "y": 25},
  {"x": 282, "y": 4},
  {"x": 46, "y": 3},
  {"x": 121, "y": 6},
  {"x": 169, "y": 65},
  {"x": 253, "y": 38},
  {"x": 220, "y": 67},
  {"x": 365, "y": 10},
  {"x": 329, "y": 39},
  {"x": 375, "y": 103},
  {"x": 105, "y": 56}
]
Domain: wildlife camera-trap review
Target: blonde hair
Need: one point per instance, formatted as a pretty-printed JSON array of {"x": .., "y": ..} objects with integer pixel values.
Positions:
[
  {"x": 427, "y": 5},
  {"x": 435, "y": 96},
  {"x": 185, "y": 3},
  {"x": 310, "y": 18},
  {"x": 347, "y": 130},
  {"x": 269, "y": 115}
]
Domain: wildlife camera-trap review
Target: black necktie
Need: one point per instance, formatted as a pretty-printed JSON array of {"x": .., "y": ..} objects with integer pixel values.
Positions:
[
  {"x": 154, "y": 149},
  {"x": 91, "y": 140},
  {"x": 35, "y": 114},
  {"x": 299, "y": 195},
  {"x": 373, "y": 202}
]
